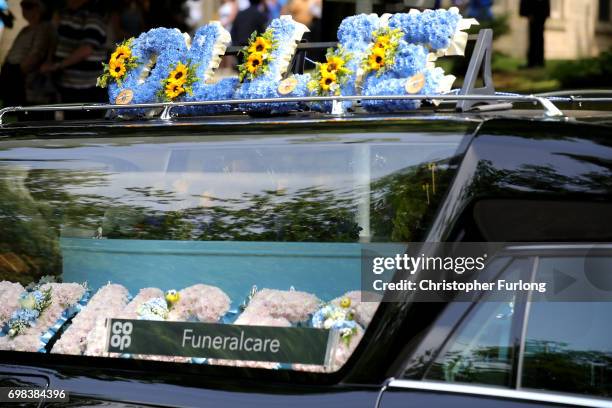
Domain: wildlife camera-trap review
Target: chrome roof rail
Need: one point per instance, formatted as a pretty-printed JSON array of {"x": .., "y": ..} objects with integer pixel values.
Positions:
[{"x": 550, "y": 110}]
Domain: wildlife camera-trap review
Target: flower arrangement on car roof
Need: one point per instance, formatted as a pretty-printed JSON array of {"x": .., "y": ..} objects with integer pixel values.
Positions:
[
  {"x": 432, "y": 28},
  {"x": 257, "y": 55},
  {"x": 329, "y": 76},
  {"x": 121, "y": 61},
  {"x": 178, "y": 82},
  {"x": 378, "y": 55},
  {"x": 382, "y": 51}
]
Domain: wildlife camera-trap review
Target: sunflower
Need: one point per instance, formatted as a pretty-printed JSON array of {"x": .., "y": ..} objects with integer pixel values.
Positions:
[
  {"x": 377, "y": 59},
  {"x": 260, "y": 45},
  {"x": 179, "y": 75},
  {"x": 173, "y": 90},
  {"x": 327, "y": 81},
  {"x": 121, "y": 53},
  {"x": 254, "y": 62},
  {"x": 334, "y": 64},
  {"x": 383, "y": 42},
  {"x": 116, "y": 68}
]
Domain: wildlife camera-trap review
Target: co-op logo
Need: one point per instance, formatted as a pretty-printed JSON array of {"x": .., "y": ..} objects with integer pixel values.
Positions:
[{"x": 121, "y": 335}]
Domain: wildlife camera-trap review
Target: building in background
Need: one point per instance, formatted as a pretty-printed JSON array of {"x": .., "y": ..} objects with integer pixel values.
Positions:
[{"x": 576, "y": 29}]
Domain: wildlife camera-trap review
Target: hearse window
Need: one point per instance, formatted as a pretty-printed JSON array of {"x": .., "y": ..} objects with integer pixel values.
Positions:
[
  {"x": 568, "y": 344},
  {"x": 482, "y": 349},
  {"x": 250, "y": 246}
]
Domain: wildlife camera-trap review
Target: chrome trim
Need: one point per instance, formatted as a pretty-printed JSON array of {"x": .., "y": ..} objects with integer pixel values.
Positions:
[
  {"x": 574, "y": 92},
  {"x": 525, "y": 324},
  {"x": 505, "y": 393},
  {"x": 382, "y": 390},
  {"x": 549, "y": 108},
  {"x": 560, "y": 246}
]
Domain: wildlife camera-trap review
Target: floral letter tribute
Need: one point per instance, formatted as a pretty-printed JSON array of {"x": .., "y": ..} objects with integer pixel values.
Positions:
[{"x": 392, "y": 54}]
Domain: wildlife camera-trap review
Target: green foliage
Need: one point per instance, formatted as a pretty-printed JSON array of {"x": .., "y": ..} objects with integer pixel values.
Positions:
[
  {"x": 585, "y": 73},
  {"x": 500, "y": 25}
]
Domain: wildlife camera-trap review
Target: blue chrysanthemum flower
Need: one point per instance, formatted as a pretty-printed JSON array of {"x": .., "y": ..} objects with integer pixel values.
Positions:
[
  {"x": 25, "y": 315},
  {"x": 433, "y": 79},
  {"x": 202, "y": 54},
  {"x": 432, "y": 28},
  {"x": 409, "y": 60},
  {"x": 266, "y": 85},
  {"x": 159, "y": 48},
  {"x": 380, "y": 86}
]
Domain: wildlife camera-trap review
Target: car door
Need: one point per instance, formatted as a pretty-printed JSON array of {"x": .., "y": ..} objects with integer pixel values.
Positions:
[{"x": 551, "y": 348}]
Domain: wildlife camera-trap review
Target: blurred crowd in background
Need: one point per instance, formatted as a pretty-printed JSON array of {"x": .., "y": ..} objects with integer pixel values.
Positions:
[{"x": 57, "y": 56}]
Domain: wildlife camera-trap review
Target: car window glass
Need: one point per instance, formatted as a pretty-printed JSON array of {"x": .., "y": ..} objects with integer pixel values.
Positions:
[
  {"x": 568, "y": 345},
  {"x": 482, "y": 348},
  {"x": 235, "y": 231}
]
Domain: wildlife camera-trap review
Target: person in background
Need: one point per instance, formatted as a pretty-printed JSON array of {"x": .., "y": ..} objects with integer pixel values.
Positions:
[
  {"x": 127, "y": 20},
  {"x": 20, "y": 77},
  {"x": 480, "y": 10},
  {"x": 309, "y": 13},
  {"x": 301, "y": 10},
  {"x": 275, "y": 7},
  {"x": 227, "y": 13},
  {"x": 78, "y": 57},
  {"x": 6, "y": 17},
  {"x": 247, "y": 21},
  {"x": 537, "y": 11}
]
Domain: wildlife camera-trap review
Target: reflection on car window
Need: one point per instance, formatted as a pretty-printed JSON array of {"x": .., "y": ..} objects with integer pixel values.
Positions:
[
  {"x": 569, "y": 344},
  {"x": 227, "y": 231},
  {"x": 482, "y": 349}
]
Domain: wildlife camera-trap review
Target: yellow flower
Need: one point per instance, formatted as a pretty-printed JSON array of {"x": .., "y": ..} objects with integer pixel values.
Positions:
[
  {"x": 122, "y": 52},
  {"x": 254, "y": 62},
  {"x": 327, "y": 81},
  {"x": 325, "y": 70},
  {"x": 116, "y": 67},
  {"x": 377, "y": 59},
  {"x": 172, "y": 296},
  {"x": 383, "y": 42},
  {"x": 179, "y": 75},
  {"x": 345, "y": 303},
  {"x": 334, "y": 64},
  {"x": 260, "y": 45},
  {"x": 173, "y": 90}
]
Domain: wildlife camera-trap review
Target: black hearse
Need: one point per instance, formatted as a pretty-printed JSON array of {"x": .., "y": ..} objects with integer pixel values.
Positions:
[{"x": 287, "y": 203}]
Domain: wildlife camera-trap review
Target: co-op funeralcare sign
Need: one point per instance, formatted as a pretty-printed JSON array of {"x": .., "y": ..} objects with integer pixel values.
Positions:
[{"x": 220, "y": 341}]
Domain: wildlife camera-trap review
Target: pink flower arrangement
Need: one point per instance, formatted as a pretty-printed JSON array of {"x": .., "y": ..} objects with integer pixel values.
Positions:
[
  {"x": 200, "y": 302},
  {"x": 341, "y": 353},
  {"x": 144, "y": 295},
  {"x": 63, "y": 296},
  {"x": 97, "y": 338},
  {"x": 108, "y": 302},
  {"x": 9, "y": 299},
  {"x": 289, "y": 304},
  {"x": 363, "y": 311},
  {"x": 274, "y": 308}
]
